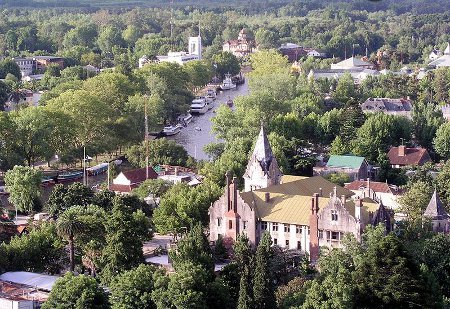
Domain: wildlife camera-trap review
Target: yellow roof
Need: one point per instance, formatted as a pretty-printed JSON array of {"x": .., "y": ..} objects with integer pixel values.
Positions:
[{"x": 291, "y": 178}]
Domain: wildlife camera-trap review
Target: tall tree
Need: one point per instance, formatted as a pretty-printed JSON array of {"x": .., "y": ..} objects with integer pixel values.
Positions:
[
  {"x": 263, "y": 285},
  {"x": 24, "y": 186}
]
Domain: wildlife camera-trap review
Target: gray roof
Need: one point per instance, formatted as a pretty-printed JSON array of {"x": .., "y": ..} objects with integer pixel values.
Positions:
[
  {"x": 263, "y": 152},
  {"x": 40, "y": 281},
  {"x": 435, "y": 209},
  {"x": 386, "y": 105}
]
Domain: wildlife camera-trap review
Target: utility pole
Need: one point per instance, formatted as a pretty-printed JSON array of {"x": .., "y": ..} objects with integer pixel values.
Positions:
[
  {"x": 146, "y": 137},
  {"x": 84, "y": 165}
]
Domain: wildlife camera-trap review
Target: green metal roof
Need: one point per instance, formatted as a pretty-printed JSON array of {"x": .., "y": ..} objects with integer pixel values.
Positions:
[{"x": 353, "y": 162}]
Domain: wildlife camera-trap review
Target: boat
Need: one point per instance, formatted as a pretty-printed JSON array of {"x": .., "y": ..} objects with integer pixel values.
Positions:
[
  {"x": 172, "y": 130},
  {"x": 97, "y": 169},
  {"x": 185, "y": 119},
  {"x": 70, "y": 176},
  {"x": 227, "y": 83},
  {"x": 199, "y": 106},
  {"x": 47, "y": 180},
  {"x": 211, "y": 93},
  {"x": 209, "y": 103},
  {"x": 238, "y": 79}
]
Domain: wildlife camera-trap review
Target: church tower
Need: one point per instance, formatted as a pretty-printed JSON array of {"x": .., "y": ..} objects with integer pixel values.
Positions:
[
  {"x": 262, "y": 169},
  {"x": 195, "y": 45}
]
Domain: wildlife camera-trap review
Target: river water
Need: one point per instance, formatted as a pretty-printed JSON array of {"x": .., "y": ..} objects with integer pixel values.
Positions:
[{"x": 193, "y": 139}]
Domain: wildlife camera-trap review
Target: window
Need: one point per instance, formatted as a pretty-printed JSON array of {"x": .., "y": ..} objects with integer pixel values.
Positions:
[
  {"x": 299, "y": 245},
  {"x": 244, "y": 225},
  {"x": 219, "y": 221},
  {"x": 287, "y": 228},
  {"x": 230, "y": 224},
  {"x": 298, "y": 229},
  {"x": 275, "y": 241},
  {"x": 264, "y": 226},
  {"x": 275, "y": 227},
  {"x": 287, "y": 243},
  {"x": 320, "y": 234},
  {"x": 334, "y": 215},
  {"x": 334, "y": 235}
]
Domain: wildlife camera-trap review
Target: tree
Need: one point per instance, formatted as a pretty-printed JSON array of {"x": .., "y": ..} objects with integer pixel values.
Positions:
[
  {"x": 263, "y": 286},
  {"x": 161, "y": 151},
  {"x": 152, "y": 187},
  {"x": 9, "y": 66},
  {"x": 226, "y": 62},
  {"x": 181, "y": 207},
  {"x": 24, "y": 186},
  {"x": 245, "y": 300},
  {"x": 426, "y": 119},
  {"x": 266, "y": 38},
  {"x": 62, "y": 198},
  {"x": 345, "y": 89},
  {"x": 108, "y": 38},
  {"x": 133, "y": 288},
  {"x": 338, "y": 178},
  {"x": 200, "y": 73},
  {"x": 68, "y": 226},
  {"x": 441, "y": 142},
  {"x": 125, "y": 233},
  {"x": 77, "y": 292},
  {"x": 415, "y": 200},
  {"x": 39, "y": 251}
]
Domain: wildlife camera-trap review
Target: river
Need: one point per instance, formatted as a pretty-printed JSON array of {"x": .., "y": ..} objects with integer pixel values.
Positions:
[{"x": 194, "y": 140}]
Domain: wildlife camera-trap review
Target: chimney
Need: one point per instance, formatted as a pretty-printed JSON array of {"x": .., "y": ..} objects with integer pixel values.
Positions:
[
  {"x": 368, "y": 184},
  {"x": 401, "y": 151},
  {"x": 343, "y": 199},
  {"x": 320, "y": 192},
  {"x": 176, "y": 171},
  {"x": 267, "y": 197},
  {"x": 235, "y": 186},
  {"x": 314, "y": 230},
  {"x": 227, "y": 189},
  {"x": 358, "y": 206}
]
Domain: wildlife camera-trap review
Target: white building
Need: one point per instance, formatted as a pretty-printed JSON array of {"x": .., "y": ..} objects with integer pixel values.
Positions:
[
  {"x": 442, "y": 61},
  {"x": 194, "y": 53}
]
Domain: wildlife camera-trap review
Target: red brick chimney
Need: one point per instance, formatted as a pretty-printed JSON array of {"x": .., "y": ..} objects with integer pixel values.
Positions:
[
  {"x": 401, "y": 151},
  {"x": 314, "y": 229},
  {"x": 227, "y": 190},
  {"x": 267, "y": 197},
  {"x": 232, "y": 217}
]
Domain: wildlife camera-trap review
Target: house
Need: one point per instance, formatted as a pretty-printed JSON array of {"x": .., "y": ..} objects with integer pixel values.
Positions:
[
  {"x": 434, "y": 54},
  {"x": 300, "y": 213},
  {"x": 358, "y": 74},
  {"x": 126, "y": 181},
  {"x": 402, "y": 156},
  {"x": 356, "y": 167},
  {"x": 91, "y": 70},
  {"x": 178, "y": 174},
  {"x": 31, "y": 65},
  {"x": 400, "y": 107},
  {"x": 25, "y": 290},
  {"x": 352, "y": 63},
  {"x": 243, "y": 46},
  {"x": 26, "y": 98},
  {"x": 378, "y": 191},
  {"x": 292, "y": 51},
  {"x": 194, "y": 53},
  {"x": 316, "y": 53},
  {"x": 442, "y": 61},
  {"x": 436, "y": 213}
]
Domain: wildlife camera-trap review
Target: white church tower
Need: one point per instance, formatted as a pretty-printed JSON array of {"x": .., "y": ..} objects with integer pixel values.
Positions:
[
  {"x": 195, "y": 45},
  {"x": 262, "y": 169}
]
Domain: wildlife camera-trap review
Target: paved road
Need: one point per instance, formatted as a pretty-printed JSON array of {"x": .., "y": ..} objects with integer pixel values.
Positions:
[{"x": 194, "y": 140}]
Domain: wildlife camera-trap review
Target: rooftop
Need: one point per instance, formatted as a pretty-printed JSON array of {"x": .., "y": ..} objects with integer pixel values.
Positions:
[{"x": 352, "y": 162}]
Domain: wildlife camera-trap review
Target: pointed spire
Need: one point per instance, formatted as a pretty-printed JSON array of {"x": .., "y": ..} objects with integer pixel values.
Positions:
[
  {"x": 263, "y": 151},
  {"x": 447, "y": 50},
  {"x": 435, "y": 209}
]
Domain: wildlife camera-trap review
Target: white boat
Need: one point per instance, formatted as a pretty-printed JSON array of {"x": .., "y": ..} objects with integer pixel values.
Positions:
[
  {"x": 172, "y": 130},
  {"x": 211, "y": 93},
  {"x": 199, "y": 106},
  {"x": 185, "y": 119},
  {"x": 227, "y": 83}
]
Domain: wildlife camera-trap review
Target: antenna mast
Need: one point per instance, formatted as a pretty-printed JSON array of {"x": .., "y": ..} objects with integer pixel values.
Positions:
[{"x": 171, "y": 25}]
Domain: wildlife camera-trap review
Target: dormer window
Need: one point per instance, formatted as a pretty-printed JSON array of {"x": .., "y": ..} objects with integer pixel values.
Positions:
[{"x": 334, "y": 215}]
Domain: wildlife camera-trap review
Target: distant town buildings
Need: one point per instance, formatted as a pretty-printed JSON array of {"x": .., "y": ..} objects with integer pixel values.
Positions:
[
  {"x": 443, "y": 60},
  {"x": 243, "y": 46},
  {"x": 126, "y": 181},
  {"x": 37, "y": 64},
  {"x": 294, "y": 52},
  {"x": 400, "y": 107}
]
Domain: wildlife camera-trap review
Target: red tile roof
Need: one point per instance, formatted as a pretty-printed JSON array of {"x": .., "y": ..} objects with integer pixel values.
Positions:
[
  {"x": 413, "y": 156},
  {"x": 374, "y": 185},
  {"x": 139, "y": 175}
]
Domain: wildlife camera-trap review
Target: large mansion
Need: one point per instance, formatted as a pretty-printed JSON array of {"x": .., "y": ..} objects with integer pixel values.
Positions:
[{"x": 299, "y": 212}]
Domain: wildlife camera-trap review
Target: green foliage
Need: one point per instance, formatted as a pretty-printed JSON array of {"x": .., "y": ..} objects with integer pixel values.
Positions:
[
  {"x": 226, "y": 62},
  {"x": 263, "y": 286},
  {"x": 181, "y": 207},
  {"x": 291, "y": 294},
  {"x": 161, "y": 151},
  {"x": 416, "y": 199},
  {"x": 24, "y": 185},
  {"x": 62, "y": 198},
  {"x": 76, "y": 292},
  {"x": 338, "y": 178},
  {"x": 154, "y": 187},
  {"x": 442, "y": 140},
  {"x": 133, "y": 288},
  {"x": 39, "y": 251}
]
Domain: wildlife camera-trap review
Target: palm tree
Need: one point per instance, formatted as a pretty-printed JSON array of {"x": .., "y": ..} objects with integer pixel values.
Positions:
[{"x": 68, "y": 225}]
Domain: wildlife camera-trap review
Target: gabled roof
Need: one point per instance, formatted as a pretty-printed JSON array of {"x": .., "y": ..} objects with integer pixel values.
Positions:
[
  {"x": 435, "y": 209},
  {"x": 443, "y": 61},
  {"x": 382, "y": 216},
  {"x": 352, "y": 162},
  {"x": 262, "y": 153},
  {"x": 352, "y": 62},
  {"x": 139, "y": 175},
  {"x": 413, "y": 156}
]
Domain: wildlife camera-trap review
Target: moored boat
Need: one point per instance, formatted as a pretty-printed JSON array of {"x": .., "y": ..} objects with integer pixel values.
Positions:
[
  {"x": 199, "y": 106},
  {"x": 185, "y": 119},
  {"x": 97, "y": 169},
  {"x": 172, "y": 130},
  {"x": 227, "y": 83},
  {"x": 211, "y": 93},
  {"x": 70, "y": 176}
]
